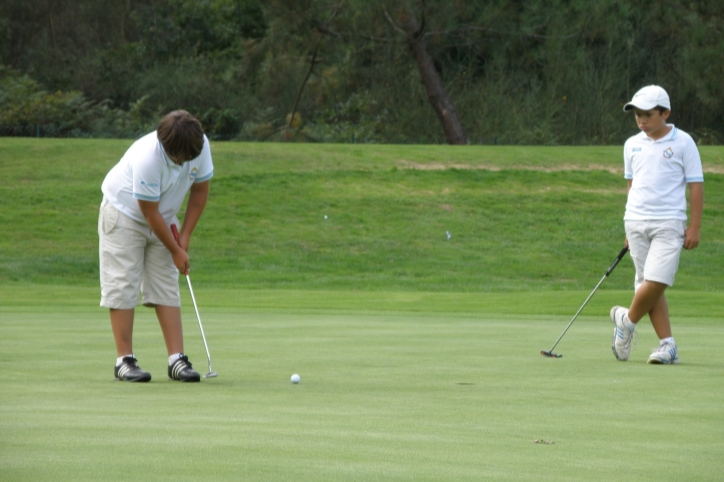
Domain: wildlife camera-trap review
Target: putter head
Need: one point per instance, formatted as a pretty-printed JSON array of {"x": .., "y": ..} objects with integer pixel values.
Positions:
[
  {"x": 550, "y": 354},
  {"x": 211, "y": 375}
]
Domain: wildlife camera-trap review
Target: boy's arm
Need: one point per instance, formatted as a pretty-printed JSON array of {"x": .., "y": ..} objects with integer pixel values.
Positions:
[
  {"x": 155, "y": 221},
  {"x": 629, "y": 182},
  {"x": 696, "y": 201},
  {"x": 198, "y": 195}
]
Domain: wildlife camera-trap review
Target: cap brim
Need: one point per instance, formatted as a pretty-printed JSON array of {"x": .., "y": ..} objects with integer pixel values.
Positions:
[{"x": 631, "y": 106}]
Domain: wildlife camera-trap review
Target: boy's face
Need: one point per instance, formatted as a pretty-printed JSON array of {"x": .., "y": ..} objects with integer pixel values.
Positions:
[{"x": 652, "y": 122}]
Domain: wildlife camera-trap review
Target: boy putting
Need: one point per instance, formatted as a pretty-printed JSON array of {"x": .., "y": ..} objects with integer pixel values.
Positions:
[
  {"x": 142, "y": 195},
  {"x": 659, "y": 164}
]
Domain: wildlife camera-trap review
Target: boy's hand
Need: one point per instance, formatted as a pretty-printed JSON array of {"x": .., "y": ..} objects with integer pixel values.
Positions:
[
  {"x": 691, "y": 238},
  {"x": 180, "y": 256},
  {"x": 181, "y": 260},
  {"x": 160, "y": 229}
]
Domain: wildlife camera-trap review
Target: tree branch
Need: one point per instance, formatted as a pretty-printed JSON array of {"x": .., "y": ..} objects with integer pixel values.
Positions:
[
  {"x": 313, "y": 62},
  {"x": 392, "y": 22},
  {"x": 301, "y": 89}
]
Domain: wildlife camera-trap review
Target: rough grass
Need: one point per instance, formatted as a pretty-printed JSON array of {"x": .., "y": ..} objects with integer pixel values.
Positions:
[{"x": 536, "y": 218}]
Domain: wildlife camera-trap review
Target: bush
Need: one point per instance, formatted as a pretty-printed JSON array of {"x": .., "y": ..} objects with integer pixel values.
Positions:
[{"x": 27, "y": 109}]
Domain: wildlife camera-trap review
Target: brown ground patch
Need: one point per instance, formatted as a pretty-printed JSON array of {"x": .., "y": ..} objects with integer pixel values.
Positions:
[{"x": 437, "y": 166}]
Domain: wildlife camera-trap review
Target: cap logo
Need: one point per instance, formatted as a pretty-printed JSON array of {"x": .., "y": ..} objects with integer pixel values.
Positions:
[{"x": 668, "y": 153}]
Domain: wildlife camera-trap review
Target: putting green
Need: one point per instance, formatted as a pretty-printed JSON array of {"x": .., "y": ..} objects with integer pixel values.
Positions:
[{"x": 385, "y": 395}]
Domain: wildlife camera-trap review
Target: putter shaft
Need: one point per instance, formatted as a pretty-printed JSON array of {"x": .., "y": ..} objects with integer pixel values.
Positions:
[
  {"x": 210, "y": 374},
  {"x": 577, "y": 313},
  {"x": 201, "y": 327},
  {"x": 608, "y": 272}
]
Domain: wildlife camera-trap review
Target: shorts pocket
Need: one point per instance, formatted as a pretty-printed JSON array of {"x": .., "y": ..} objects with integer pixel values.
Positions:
[{"x": 109, "y": 218}]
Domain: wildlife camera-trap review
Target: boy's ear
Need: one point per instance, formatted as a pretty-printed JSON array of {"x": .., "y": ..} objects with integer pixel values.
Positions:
[{"x": 666, "y": 114}]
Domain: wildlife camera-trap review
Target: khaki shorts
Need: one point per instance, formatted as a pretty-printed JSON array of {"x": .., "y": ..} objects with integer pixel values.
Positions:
[
  {"x": 133, "y": 261},
  {"x": 655, "y": 249}
]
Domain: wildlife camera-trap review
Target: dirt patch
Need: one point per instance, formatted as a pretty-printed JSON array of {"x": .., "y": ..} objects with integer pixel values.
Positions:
[
  {"x": 713, "y": 169},
  {"x": 437, "y": 166}
]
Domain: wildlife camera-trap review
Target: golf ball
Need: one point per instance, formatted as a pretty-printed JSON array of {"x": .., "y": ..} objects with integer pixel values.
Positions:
[{"x": 296, "y": 378}]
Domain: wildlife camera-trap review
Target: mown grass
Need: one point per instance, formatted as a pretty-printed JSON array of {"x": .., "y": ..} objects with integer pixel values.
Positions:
[
  {"x": 385, "y": 395},
  {"x": 535, "y": 218}
]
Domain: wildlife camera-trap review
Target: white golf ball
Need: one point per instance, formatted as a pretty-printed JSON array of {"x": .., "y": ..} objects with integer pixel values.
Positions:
[{"x": 296, "y": 378}]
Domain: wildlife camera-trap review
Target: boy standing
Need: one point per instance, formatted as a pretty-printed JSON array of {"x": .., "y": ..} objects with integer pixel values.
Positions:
[
  {"x": 141, "y": 196},
  {"x": 659, "y": 163}
]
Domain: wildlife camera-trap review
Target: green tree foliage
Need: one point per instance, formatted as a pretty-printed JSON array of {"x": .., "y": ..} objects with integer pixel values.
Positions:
[
  {"x": 516, "y": 72},
  {"x": 29, "y": 110}
]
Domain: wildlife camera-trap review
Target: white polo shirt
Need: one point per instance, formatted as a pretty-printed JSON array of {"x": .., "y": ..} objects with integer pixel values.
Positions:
[
  {"x": 145, "y": 172},
  {"x": 659, "y": 170}
]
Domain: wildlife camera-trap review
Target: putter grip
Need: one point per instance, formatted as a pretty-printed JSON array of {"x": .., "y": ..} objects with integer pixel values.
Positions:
[{"x": 615, "y": 261}]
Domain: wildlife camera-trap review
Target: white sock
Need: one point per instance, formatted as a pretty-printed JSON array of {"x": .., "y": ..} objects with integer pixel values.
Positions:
[
  {"x": 119, "y": 360},
  {"x": 172, "y": 359},
  {"x": 628, "y": 324},
  {"x": 668, "y": 340}
]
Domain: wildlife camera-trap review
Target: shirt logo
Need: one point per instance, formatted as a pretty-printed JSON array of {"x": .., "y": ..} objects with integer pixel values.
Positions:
[
  {"x": 668, "y": 153},
  {"x": 192, "y": 174},
  {"x": 637, "y": 149}
]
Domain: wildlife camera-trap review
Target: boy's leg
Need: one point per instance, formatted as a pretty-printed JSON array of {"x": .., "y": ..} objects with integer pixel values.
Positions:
[
  {"x": 179, "y": 368},
  {"x": 121, "y": 247},
  {"x": 639, "y": 243},
  {"x": 126, "y": 368},
  {"x": 169, "y": 317},
  {"x": 659, "y": 269},
  {"x": 655, "y": 248},
  {"x": 660, "y": 320},
  {"x": 160, "y": 289},
  {"x": 122, "y": 326},
  {"x": 649, "y": 296},
  {"x": 667, "y": 352}
]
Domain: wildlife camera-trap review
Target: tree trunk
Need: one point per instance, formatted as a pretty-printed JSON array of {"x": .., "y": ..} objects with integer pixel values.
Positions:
[{"x": 444, "y": 108}]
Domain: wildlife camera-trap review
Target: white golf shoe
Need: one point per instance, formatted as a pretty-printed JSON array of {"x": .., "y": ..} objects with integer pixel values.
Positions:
[
  {"x": 621, "y": 343},
  {"x": 665, "y": 354}
]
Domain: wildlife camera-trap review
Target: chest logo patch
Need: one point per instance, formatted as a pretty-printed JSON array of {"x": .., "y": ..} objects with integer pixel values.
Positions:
[
  {"x": 195, "y": 170},
  {"x": 668, "y": 153}
]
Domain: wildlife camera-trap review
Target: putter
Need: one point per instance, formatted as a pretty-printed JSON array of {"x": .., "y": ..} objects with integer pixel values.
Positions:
[
  {"x": 210, "y": 374},
  {"x": 550, "y": 353}
]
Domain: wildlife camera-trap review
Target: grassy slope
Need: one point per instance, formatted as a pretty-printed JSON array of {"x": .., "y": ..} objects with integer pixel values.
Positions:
[{"x": 521, "y": 218}]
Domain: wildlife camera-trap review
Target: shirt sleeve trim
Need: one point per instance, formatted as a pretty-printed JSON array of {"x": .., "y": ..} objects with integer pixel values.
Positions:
[
  {"x": 143, "y": 197},
  {"x": 205, "y": 178}
]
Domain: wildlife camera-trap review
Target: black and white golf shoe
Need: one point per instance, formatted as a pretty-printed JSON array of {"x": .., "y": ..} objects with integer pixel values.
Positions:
[
  {"x": 129, "y": 371},
  {"x": 182, "y": 370}
]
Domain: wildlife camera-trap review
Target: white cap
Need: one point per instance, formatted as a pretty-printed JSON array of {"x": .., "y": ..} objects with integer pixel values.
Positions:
[{"x": 648, "y": 98}]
